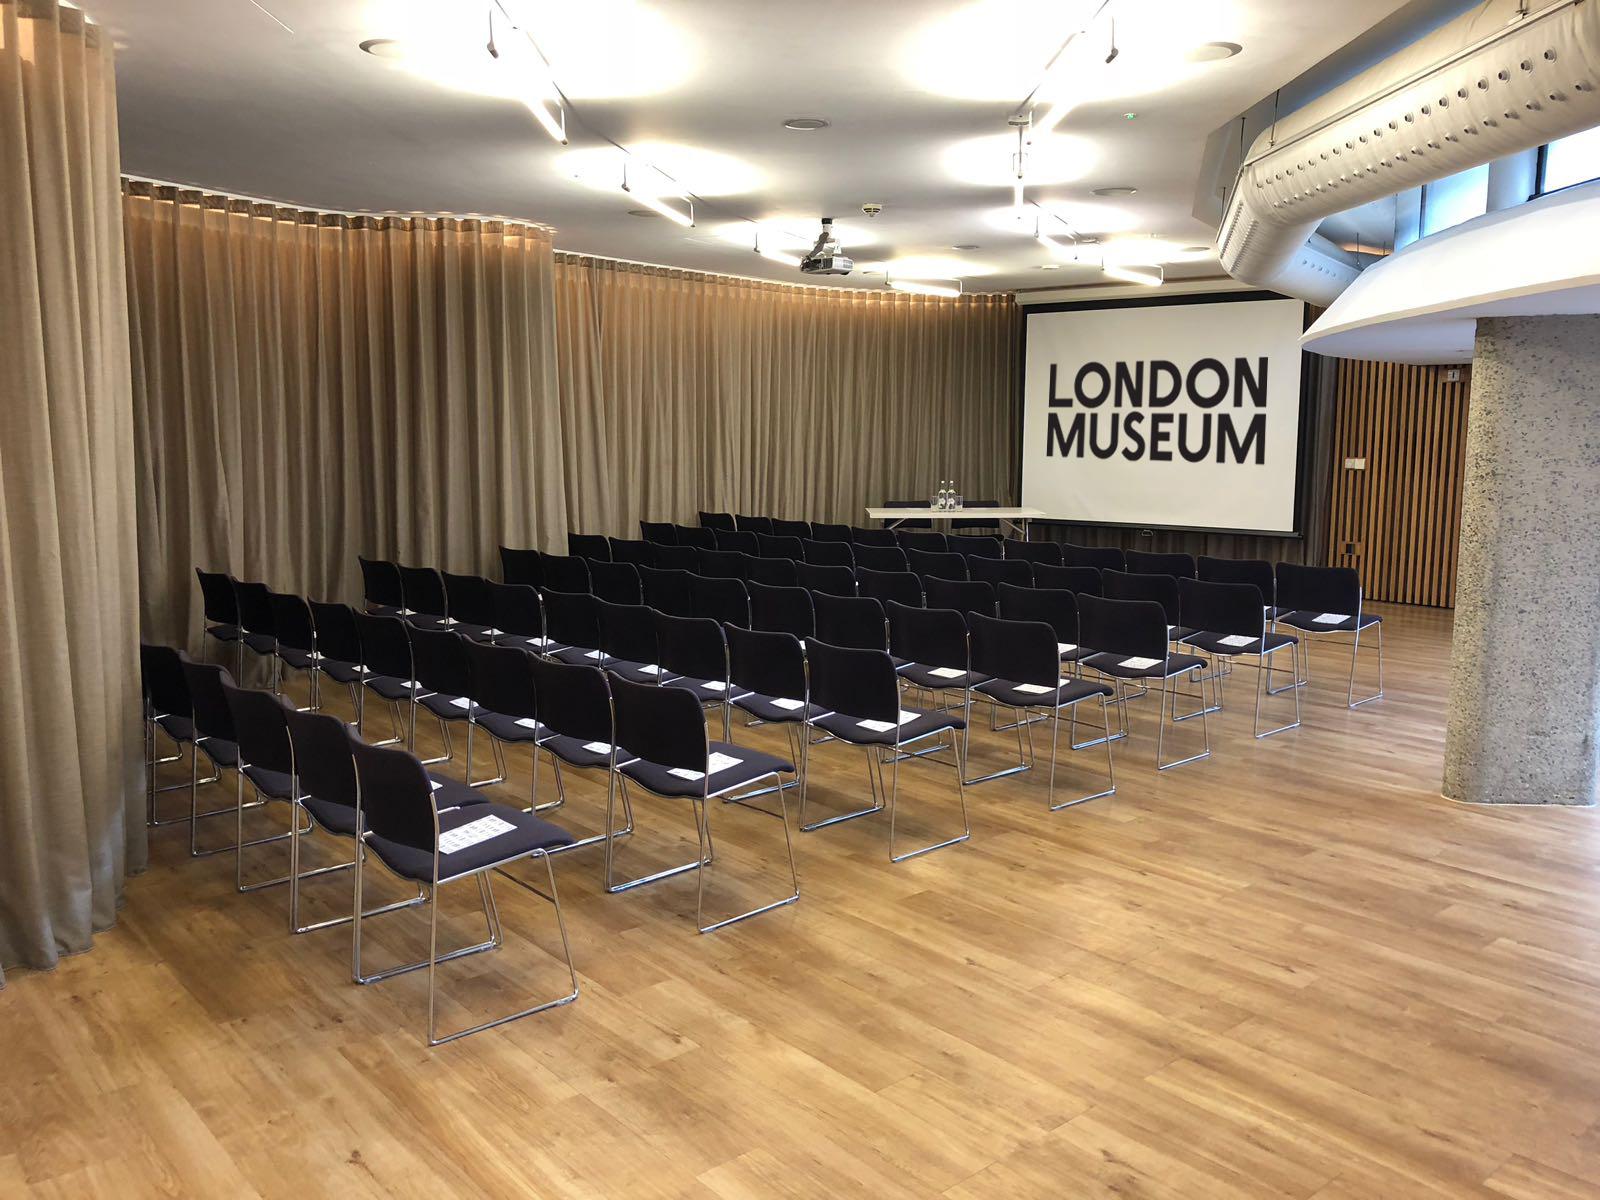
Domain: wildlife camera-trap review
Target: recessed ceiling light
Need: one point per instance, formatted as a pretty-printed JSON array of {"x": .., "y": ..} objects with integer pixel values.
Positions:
[
  {"x": 1213, "y": 51},
  {"x": 1197, "y": 249},
  {"x": 805, "y": 124},
  {"x": 384, "y": 48},
  {"x": 1049, "y": 266},
  {"x": 1116, "y": 191},
  {"x": 643, "y": 212},
  {"x": 965, "y": 246}
]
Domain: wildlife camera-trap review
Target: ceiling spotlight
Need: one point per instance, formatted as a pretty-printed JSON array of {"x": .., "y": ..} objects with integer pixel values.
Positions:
[
  {"x": 1116, "y": 191},
  {"x": 529, "y": 74},
  {"x": 383, "y": 48},
  {"x": 1213, "y": 51},
  {"x": 805, "y": 124}
]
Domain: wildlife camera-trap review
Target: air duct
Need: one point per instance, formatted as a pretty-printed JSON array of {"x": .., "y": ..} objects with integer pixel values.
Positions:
[{"x": 1501, "y": 79}]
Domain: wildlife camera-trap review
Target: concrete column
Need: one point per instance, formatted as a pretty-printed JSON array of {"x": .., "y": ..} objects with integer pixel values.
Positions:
[{"x": 1524, "y": 717}]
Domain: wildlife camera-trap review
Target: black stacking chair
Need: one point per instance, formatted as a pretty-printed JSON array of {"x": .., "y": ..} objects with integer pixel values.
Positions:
[
  {"x": 918, "y": 539},
  {"x": 928, "y": 562},
  {"x": 338, "y": 648},
  {"x": 752, "y": 524},
  {"x": 593, "y": 546},
  {"x": 782, "y": 610},
  {"x": 910, "y": 522},
  {"x": 1324, "y": 602},
  {"x": 774, "y": 572},
  {"x": 767, "y": 679},
  {"x": 973, "y": 546},
  {"x": 740, "y": 541},
  {"x": 722, "y": 564},
  {"x": 855, "y": 695},
  {"x": 572, "y": 625},
  {"x": 694, "y": 654},
  {"x": 662, "y": 532},
  {"x": 881, "y": 538},
  {"x": 1016, "y": 665},
  {"x": 722, "y": 600},
  {"x": 521, "y": 567},
  {"x": 390, "y": 673},
  {"x": 828, "y": 554},
  {"x": 471, "y": 609},
  {"x": 380, "y": 587},
  {"x": 997, "y": 571},
  {"x": 856, "y": 622},
  {"x": 296, "y": 645},
  {"x": 1148, "y": 562},
  {"x": 445, "y": 673},
  {"x": 716, "y": 521},
  {"x": 832, "y": 581},
  {"x": 1163, "y": 589},
  {"x": 425, "y": 843},
  {"x": 692, "y": 537},
  {"x": 674, "y": 758},
  {"x": 780, "y": 546},
  {"x": 219, "y": 608},
  {"x": 1056, "y": 607},
  {"x": 1257, "y": 572},
  {"x": 518, "y": 615},
  {"x": 793, "y": 529},
  {"x": 1129, "y": 640},
  {"x": 215, "y": 737},
  {"x": 255, "y": 623},
  {"x": 900, "y": 586},
  {"x": 881, "y": 558},
  {"x": 628, "y": 642},
  {"x": 977, "y": 520},
  {"x": 561, "y": 573},
  {"x": 1102, "y": 558},
  {"x": 266, "y": 760},
  {"x": 615, "y": 583},
  {"x": 640, "y": 554},
  {"x": 1083, "y": 580},
  {"x": 426, "y": 602},
  {"x": 670, "y": 592},
  {"x": 678, "y": 558},
  {"x": 821, "y": 532},
  {"x": 1227, "y": 620},
  {"x": 963, "y": 595},
  {"x": 169, "y": 710},
  {"x": 1033, "y": 552},
  {"x": 574, "y": 711},
  {"x": 931, "y": 646}
]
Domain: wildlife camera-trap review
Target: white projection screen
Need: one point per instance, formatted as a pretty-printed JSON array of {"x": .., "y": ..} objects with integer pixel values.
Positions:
[{"x": 1182, "y": 415}]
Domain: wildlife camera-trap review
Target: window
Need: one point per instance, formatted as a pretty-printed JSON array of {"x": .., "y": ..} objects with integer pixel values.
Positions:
[
  {"x": 1454, "y": 199},
  {"x": 1571, "y": 160}
]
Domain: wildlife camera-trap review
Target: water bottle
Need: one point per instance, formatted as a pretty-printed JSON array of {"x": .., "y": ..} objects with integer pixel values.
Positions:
[
  {"x": 933, "y": 499},
  {"x": 944, "y": 494},
  {"x": 955, "y": 495}
]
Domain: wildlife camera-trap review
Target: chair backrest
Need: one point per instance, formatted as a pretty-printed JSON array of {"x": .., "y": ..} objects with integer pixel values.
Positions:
[
  {"x": 1318, "y": 589},
  {"x": 823, "y": 532},
  {"x": 323, "y": 762},
  {"x": 338, "y": 639},
  {"x": 572, "y": 700},
  {"x": 1001, "y": 570},
  {"x": 774, "y": 572},
  {"x": 931, "y": 637},
  {"x": 617, "y": 582},
  {"x": 1104, "y": 558},
  {"x": 722, "y": 564},
  {"x": 835, "y": 581},
  {"x": 1150, "y": 562},
  {"x": 771, "y": 663},
  {"x": 871, "y": 537},
  {"x": 1125, "y": 585},
  {"x": 716, "y": 520},
  {"x": 255, "y": 606},
  {"x": 880, "y": 558},
  {"x": 396, "y": 796},
  {"x": 736, "y": 541},
  {"x": 1084, "y": 580},
  {"x": 752, "y": 524},
  {"x": 1017, "y": 651},
  {"x": 571, "y": 618},
  {"x": 856, "y": 621},
  {"x": 722, "y": 600},
  {"x": 1034, "y": 552},
  {"x": 963, "y": 595},
  {"x": 940, "y": 563},
  {"x": 217, "y": 599},
  {"x": 663, "y": 532},
  {"x": 858, "y": 682},
  {"x": 521, "y": 567},
  {"x": 165, "y": 684},
  {"x": 670, "y": 592},
  {"x": 440, "y": 659},
  {"x": 1056, "y": 607},
  {"x": 975, "y": 546},
  {"x": 502, "y": 681},
  {"x": 1256, "y": 571},
  {"x": 212, "y": 716},
  {"x": 664, "y": 726},
  {"x": 563, "y": 573},
  {"x": 827, "y": 554},
  {"x": 980, "y": 522},
  {"x": 380, "y": 583},
  {"x": 260, "y": 728},
  {"x": 782, "y": 610},
  {"x": 908, "y": 538},
  {"x": 1229, "y": 609},
  {"x": 703, "y": 536},
  {"x": 772, "y": 545},
  {"x": 517, "y": 609},
  {"x": 1137, "y": 628},
  {"x": 292, "y": 622},
  {"x": 900, "y": 586},
  {"x": 640, "y": 554},
  {"x": 385, "y": 645},
  {"x": 423, "y": 588},
  {"x": 678, "y": 558},
  {"x": 628, "y": 632},
  {"x": 914, "y": 522},
  {"x": 589, "y": 545},
  {"x": 692, "y": 646},
  {"x": 468, "y": 598},
  {"x": 794, "y": 529}
]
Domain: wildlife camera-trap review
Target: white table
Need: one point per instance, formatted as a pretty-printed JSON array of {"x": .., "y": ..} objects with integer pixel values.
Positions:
[{"x": 1014, "y": 519}]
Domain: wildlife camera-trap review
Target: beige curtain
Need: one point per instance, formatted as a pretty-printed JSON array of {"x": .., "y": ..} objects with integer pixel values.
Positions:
[
  {"x": 682, "y": 391},
  {"x": 71, "y": 800},
  {"x": 311, "y": 387}
]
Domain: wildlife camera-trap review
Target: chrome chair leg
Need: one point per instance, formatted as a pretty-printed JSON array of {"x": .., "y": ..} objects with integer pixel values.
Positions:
[
  {"x": 1355, "y": 650},
  {"x": 703, "y": 828},
  {"x": 961, "y": 797},
  {"x": 1264, "y": 672}
]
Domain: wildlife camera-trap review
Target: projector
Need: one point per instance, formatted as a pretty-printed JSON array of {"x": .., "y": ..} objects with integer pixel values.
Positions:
[{"x": 827, "y": 257}]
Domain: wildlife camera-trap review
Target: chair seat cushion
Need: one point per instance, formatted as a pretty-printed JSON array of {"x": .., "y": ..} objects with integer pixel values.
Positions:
[
  {"x": 1116, "y": 664},
  {"x": 1310, "y": 622},
  {"x": 527, "y": 833},
  {"x": 300, "y": 660},
  {"x": 332, "y": 816},
  {"x": 278, "y": 785},
  {"x": 342, "y": 672},
  {"x": 452, "y": 793},
  {"x": 391, "y": 687},
  {"x": 179, "y": 729},
  {"x": 777, "y": 710},
  {"x": 576, "y": 752},
  {"x": 448, "y": 708},
  {"x": 916, "y": 723},
  {"x": 735, "y": 766},
  {"x": 1020, "y": 695},
  {"x": 261, "y": 643},
  {"x": 219, "y": 750},
  {"x": 638, "y": 672},
  {"x": 508, "y": 728},
  {"x": 1216, "y": 643},
  {"x": 710, "y": 691},
  {"x": 223, "y": 633},
  {"x": 583, "y": 656},
  {"x": 533, "y": 643},
  {"x": 929, "y": 677}
]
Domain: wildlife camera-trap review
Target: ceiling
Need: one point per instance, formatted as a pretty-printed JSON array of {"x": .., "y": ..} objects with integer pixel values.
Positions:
[{"x": 275, "y": 99}]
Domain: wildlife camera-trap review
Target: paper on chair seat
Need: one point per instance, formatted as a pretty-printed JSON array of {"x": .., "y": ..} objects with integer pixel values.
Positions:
[
  {"x": 1035, "y": 689},
  {"x": 947, "y": 672},
  {"x": 650, "y": 669},
  {"x": 407, "y": 612},
  {"x": 1237, "y": 639},
  {"x": 598, "y": 747},
  {"x": 1066, "y": 647},
  {"x": 717, "y": 762},
  {"x": 885, "y": 726},
  {"x": 461, "y": 702},
  {"x": 472, "y": 833},
  {"x": 539, "y": 641},
  {"x": 594, "y": 653},
  {"x": 435, "y": 784},
  {"x": 527, "y": 722},
  {"x": 788, "y": 705},
  {"x": 1331, "y": 619},
  {"x": 1140, "y": 664},
  {"x": 491, "y": 632},
  {"x": 716, "y": 685}
]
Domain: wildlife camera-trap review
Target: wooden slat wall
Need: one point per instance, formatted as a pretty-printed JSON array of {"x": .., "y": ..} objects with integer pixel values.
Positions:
[{"x": 1403, "y": 513}]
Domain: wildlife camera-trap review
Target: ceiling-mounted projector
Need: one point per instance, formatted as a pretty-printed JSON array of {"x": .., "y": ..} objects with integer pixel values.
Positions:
[{"x": 827, "y": 257}]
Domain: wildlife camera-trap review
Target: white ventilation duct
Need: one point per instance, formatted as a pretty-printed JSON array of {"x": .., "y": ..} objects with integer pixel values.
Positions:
[{"x": 1506, "y": 77}]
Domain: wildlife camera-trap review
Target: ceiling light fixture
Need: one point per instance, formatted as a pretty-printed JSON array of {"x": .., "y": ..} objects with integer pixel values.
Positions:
[
  {"x": 926, "y": 287},
  {"x": 384, "y": 48},
  {"x": 1213, "y": 51},
  {"x": 530, "y": 76},
  {"x": 805, "y": 124},
  {"x": 652, "y": 188},
  {"x": 1019, "y": 160},
  {"x": 772, "y": 252},
  {"x": 966, "y": 246},
  {"x": 1144, "y": 276},
  {"x": 1116, "y": 191},
  {"x": 643, "y": 212}
]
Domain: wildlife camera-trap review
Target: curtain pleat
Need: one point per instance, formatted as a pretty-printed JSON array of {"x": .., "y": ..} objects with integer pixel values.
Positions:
[{"x": 71, "y": 801}]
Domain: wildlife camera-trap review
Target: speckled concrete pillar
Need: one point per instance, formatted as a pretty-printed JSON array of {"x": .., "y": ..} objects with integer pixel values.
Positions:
[{"x": 1524, "y": 719}]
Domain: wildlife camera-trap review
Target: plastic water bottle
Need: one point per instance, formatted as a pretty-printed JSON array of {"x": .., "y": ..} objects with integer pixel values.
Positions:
[{"x": 955, "y": 495}]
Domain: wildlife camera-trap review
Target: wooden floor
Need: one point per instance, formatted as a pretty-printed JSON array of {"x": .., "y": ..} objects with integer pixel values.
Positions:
[{"x": 1291, "y": 971}]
